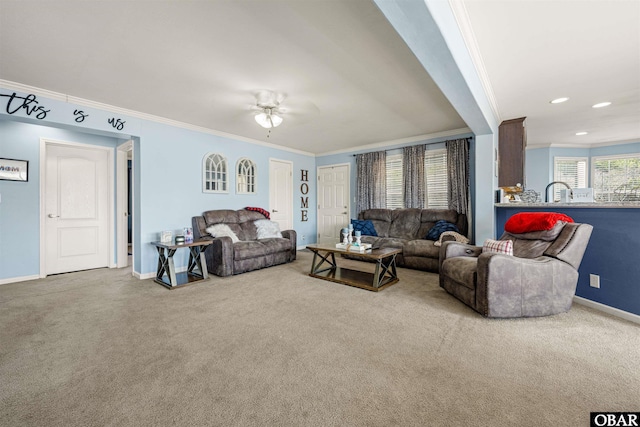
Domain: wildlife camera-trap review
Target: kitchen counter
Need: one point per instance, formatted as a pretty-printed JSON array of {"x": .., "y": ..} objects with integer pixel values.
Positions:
[
  {"x": 612, "y": 253},
  {"x": 597, "y": 205}
]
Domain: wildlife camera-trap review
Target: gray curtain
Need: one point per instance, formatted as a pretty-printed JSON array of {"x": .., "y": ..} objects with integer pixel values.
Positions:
[
  {"x": 413, "y": 176},
  {"x": 371, "y": 178},
  {"x": 458, "y": 174}
]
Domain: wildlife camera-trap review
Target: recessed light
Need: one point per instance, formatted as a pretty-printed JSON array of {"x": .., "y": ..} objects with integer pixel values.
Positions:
[
  {"x": 581, "y": 133},
  {"x": 559, "y": 100},
  {"x": 601, "y": 104}
]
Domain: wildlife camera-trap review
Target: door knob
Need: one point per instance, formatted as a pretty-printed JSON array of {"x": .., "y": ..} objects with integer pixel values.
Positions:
[
  {"x": 344, "y": 213},
  {"x": 54, "y": 216},
  {"x": 273, "y": 210}
]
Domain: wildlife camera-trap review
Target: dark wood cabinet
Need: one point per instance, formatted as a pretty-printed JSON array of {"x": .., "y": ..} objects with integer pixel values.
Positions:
[{"x": 512, "y": 141}]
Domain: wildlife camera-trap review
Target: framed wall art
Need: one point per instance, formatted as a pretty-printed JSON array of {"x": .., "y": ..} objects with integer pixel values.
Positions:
[{"x": 14, "y": 170}]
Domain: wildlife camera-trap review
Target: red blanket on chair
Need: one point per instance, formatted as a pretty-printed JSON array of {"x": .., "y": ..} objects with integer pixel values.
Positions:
[{"x": 525, "y": 222}]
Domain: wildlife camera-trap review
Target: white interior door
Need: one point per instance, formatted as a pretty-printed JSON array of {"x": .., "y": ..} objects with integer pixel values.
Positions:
[
  {"x": 281, "y": 193},
  {"x": 76, "y": 209},
  {"x": 333, "y": 202}
]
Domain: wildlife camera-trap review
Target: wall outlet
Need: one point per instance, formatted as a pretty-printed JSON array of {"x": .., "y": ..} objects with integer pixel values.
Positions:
[
  {"x": 594, "y": 281},
  {"x": 303, "y": 237}
]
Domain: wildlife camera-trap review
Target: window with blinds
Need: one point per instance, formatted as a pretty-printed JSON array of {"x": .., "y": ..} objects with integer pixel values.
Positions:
[
  {"x": 435, "y": 171},
  {"x": 435, "y": 176},
  {"x": 572, "y": 170},
  {"x": 616, "y": 178},
  {"x": 395, "y": 196}
]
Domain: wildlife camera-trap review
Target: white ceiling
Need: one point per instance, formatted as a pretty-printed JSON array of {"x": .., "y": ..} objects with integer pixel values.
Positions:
[{"x": 349, "y": 78}]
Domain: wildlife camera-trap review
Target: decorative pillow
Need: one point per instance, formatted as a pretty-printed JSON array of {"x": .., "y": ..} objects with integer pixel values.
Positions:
[
  {"x": 267, "y": 229},
  {"x": 440, "y": 227},
  {"x": 364, "y": 226},
  {"x": 259, "y": 210},
  {"x": 219, "y": 230},
  {"x": 504, "y": 247},
  {"x": 524, "y": 222},
  {"x": 456, "y": 236}
]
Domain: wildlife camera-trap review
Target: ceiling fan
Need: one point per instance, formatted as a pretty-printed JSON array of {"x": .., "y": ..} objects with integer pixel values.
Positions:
[{"x": 268, "y": 107}]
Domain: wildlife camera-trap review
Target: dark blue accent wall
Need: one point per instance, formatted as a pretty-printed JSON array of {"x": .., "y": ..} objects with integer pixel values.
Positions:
[{"x": 613, "y": 252}]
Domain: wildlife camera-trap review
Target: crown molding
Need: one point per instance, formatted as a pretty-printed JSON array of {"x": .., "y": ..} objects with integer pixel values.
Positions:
[
  {"x": 593, "y": 145},
  {"x": 137, "y": 114},
  {"x": 399, "y": 142},
  {"x": 466, "y": 30}
]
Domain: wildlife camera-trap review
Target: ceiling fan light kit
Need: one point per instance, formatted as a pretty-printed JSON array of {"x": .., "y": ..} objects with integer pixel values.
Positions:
[{"x": 268, "y": 119}]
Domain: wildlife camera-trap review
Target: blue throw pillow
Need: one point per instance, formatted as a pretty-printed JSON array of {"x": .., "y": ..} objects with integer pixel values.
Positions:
[
  {"x": 365, "y": 226},
  {"x": 440, "y": 227}
]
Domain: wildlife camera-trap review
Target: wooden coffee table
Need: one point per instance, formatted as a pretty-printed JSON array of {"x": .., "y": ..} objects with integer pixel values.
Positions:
[{"x": 324, "y": 267}]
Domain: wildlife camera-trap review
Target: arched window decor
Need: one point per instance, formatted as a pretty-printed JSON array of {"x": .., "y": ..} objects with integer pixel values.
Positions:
[
  {"x": 246, "y": 176},
  {"x": 214, "y": 174}
]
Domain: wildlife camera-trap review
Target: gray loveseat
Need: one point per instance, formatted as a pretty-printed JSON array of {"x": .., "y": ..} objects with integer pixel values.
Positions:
[
  {"x": 225, "y": 258},
  {"x": 407, "y": 229}
]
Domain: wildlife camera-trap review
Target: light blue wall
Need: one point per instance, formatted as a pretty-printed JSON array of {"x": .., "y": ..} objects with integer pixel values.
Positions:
[
  {"x": 171, "y": 189},
  {"x": 20, "y": 206},
  {"x": 167, "y": 178}
]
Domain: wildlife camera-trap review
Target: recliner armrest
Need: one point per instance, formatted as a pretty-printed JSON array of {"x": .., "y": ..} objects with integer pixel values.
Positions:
[{"x": 450, "y": 249}]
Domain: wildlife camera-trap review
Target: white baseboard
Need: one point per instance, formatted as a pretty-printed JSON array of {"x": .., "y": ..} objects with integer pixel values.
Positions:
[
  {"x": 607, "y": 309},
  {"x": 18, "y": 279},
  {"x": 146, "y": 276}
]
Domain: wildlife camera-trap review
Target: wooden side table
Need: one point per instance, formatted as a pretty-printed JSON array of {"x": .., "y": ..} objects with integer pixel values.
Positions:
[{"x": 196, "y": 270}]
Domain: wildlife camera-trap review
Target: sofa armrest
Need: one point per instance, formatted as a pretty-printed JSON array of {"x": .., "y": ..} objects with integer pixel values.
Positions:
[
  {"x": 219, "y": 256},
  {"x": 509, "y": 286},
  {"x": 199, "y": 226},
  {"x": 293, "y": 238}
]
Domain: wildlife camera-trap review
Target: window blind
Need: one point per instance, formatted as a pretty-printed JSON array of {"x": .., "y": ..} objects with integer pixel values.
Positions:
[
  {"x": 395, "y": 198},
  {"x": 435, "y": 170},
  {"x": 572, "y": 170},
  {"x": 435, "y": 176},
  {"x": 616, "y": 178}
]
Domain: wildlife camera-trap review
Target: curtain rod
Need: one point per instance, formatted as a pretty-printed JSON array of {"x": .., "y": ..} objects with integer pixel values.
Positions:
[{"x": 469, "y": 138}]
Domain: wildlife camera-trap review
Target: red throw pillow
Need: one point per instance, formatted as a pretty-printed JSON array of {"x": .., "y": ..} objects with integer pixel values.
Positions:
[{"x": 525, "y": 222}]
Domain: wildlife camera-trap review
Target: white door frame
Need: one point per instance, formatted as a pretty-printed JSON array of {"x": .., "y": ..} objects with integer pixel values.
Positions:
[
  {"x": 348, "y": 165},
  {"x": 122, "y": 212},
  {"x": 43, "y": 163},
  {"x": 290, "y": 163}
]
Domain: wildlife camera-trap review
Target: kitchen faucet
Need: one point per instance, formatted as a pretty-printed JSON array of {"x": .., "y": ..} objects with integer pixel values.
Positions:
[{"x": 546, "y": 190}]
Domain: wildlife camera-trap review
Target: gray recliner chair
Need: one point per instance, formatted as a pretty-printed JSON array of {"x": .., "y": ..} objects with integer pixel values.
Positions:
[{"x": 538, "y": 280}]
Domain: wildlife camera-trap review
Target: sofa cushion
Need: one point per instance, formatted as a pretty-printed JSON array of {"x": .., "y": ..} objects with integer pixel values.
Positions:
[
  {"x": 276, "y": 244},
  {"x": 525, "y": 248},
  {"x": 249, "y": 249},
  {"x": 364, "y": 226},
  {"x": 266, "y": 229},
  {"x": 440, "y": 227},
  {"x": 381, "y": 219},
  {"x": 546, "y": 235},
  {"x": 220, "y": 230},
  {"x": 391, "y": 242},
  {"x": 405, "y": 223},
  {"x": 504, "y": 247},
  {"x": 420, "y": 248}
]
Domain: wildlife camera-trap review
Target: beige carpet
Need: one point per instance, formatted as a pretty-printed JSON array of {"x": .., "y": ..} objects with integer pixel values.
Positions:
[{"x": 278, "y": 348}]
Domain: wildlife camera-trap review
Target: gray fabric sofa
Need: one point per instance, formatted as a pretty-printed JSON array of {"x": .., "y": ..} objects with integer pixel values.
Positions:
[
  {"x": 539, "y": 279},
  {"x": 406, "y": 229},
  {"x": 225, "y": 258}
]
